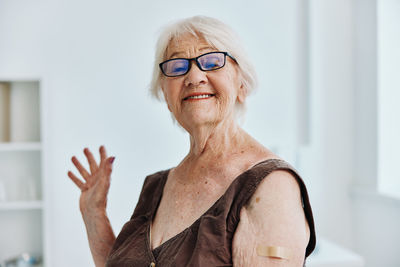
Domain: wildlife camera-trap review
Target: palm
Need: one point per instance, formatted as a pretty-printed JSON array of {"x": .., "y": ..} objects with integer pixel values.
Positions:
[{"x": 94, "y": 195}]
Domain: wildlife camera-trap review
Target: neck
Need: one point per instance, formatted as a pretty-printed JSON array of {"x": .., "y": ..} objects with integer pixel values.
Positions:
[
  {"x": 215, "y": 141},
  {"x": 214, "y": 148}
]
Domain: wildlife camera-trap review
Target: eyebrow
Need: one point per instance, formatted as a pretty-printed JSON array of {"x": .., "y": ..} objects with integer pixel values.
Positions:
[{"x": 201, "y": 49}]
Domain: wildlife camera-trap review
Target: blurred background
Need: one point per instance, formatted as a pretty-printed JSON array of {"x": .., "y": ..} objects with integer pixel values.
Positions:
[{"x": 75, "y": 74}]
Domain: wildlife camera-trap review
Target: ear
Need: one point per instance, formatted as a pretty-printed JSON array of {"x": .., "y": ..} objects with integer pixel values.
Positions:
[
  {"x": 242, "y": 90},
  {"x": 242, "y": 93},
  {"x": 169, "y": 107}
]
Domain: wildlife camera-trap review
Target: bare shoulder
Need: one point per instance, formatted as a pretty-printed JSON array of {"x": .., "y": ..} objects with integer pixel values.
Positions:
[{"x": 274, "y": 216}]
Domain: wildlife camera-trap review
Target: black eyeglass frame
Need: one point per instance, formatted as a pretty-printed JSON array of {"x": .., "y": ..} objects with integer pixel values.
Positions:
[{"x": 197, "y": 62}]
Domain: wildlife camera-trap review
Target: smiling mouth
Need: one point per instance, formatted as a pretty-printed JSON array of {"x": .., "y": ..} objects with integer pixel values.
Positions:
[{"x": 198, "y": 97}]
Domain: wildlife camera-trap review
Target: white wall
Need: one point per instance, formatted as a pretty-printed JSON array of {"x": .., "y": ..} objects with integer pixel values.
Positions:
[
  {"x": 388, "y": 32},
  {"x": 376, "y": 217},
  {"x": 328, "y": 161},
  {"x": 342, "y": 158},
  {"x": 94, "y": 61}
]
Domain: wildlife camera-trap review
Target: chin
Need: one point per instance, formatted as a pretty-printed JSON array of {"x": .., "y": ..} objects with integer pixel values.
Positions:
[{"x": 205, "y": 120}]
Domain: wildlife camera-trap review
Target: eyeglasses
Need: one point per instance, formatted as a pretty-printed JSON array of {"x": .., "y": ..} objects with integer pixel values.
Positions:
[{"x": 206, "y": 62}]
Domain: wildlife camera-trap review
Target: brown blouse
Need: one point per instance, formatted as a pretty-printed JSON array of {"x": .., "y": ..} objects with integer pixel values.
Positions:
[{"x": 208, "y": 241}]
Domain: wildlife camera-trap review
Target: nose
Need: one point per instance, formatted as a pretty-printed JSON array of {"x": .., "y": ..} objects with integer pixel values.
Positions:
[{"x": 195, "y": 76}]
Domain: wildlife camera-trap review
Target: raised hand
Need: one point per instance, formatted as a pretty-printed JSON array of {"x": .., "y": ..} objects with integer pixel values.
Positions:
[
  {"x": 93, "y": 202},
  {"x": 94, "y": 188}
]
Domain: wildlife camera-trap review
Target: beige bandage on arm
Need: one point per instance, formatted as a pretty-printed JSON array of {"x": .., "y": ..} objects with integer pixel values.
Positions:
[{"x": 273, "y": 251}]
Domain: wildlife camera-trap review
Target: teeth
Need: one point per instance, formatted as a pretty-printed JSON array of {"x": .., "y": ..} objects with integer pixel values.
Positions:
[{"x": 198, "y": 96}]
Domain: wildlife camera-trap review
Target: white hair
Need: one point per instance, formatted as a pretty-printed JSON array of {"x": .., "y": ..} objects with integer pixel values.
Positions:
[{"x": 218, "y": 35}]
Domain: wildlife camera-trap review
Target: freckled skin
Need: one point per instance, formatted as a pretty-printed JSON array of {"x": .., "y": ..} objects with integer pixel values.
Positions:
[{"x": 220, "y": 150}]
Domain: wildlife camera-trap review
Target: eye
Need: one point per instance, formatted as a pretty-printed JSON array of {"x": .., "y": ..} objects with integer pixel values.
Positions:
[
  {"x": 210, "y": 64},
  {"x": 179, "y": 68},
  {"x": 176, "y": 66},
  {"x": 212, "y": 61}
]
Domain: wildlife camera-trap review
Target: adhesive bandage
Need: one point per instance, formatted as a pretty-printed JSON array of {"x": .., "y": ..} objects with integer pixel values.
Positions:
[{"x": 273, "y": 251}]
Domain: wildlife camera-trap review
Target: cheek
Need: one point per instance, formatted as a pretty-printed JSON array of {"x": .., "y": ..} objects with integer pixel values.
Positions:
[
  {"x": 166, "y": 92},
  {"x": 171, "y": 94}
]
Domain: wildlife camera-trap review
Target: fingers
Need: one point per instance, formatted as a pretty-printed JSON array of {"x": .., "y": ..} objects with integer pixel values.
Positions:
[
  {"x": 107, "y": 168},
  {"x": 77, "y": 181},
  {"x": 80, "y": 168},
  {"x": 103, "y": 155},
  {"x": 92, "y": 162}
]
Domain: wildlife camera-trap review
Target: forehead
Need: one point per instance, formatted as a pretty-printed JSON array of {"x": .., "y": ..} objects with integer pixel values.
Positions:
[{"x": 186, "y": 45}]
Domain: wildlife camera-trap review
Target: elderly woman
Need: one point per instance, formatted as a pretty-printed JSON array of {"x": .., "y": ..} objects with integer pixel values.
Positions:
[{"x": 230, "y": 201}]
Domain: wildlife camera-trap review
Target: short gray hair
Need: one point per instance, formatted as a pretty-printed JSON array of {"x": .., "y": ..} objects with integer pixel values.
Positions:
[{"x": 218, "y": 35}]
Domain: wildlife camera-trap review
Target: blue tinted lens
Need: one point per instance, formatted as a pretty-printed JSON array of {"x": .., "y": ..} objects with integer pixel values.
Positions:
[
  {"x": 212, "y": 61},
  {"x": 175, "y": 67}
]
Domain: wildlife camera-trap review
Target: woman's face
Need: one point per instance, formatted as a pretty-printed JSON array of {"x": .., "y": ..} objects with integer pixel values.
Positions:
[{"x": 221, "y": 87}]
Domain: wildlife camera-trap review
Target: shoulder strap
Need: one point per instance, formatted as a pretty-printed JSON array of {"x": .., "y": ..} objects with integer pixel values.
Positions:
[{"x": 150, "y": 194}]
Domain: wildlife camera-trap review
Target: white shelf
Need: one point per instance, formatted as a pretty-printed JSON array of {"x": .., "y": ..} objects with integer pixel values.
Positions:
[
  {"x": 21, "y": 205},
  {"x": 25, "y": 146},
  {"x": 21, "y": 158}
]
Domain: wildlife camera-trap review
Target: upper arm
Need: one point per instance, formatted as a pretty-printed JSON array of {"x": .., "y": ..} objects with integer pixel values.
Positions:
[{"x": 274, "y": 216}]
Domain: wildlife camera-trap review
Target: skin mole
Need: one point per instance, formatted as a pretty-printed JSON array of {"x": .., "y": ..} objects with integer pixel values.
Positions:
[{"x": 250, "y": 206}]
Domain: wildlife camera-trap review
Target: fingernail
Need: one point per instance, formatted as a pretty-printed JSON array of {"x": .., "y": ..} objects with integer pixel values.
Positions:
[{"x": 111, "y": 160}]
